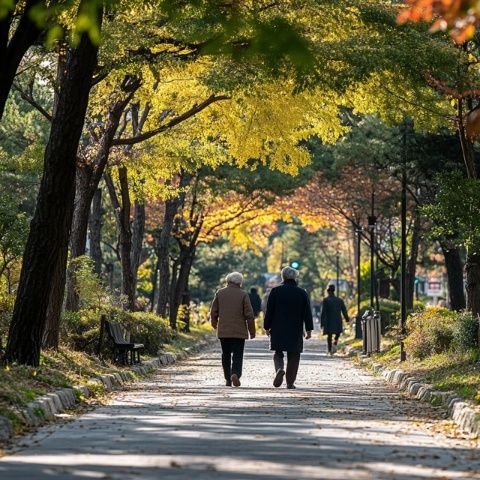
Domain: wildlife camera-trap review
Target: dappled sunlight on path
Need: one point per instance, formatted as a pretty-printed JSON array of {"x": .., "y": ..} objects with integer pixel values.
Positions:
[{"x": 183, "y": 424}]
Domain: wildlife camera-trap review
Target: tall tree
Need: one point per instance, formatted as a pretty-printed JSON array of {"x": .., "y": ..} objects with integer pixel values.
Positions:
[{"x": 50, "y": 227}]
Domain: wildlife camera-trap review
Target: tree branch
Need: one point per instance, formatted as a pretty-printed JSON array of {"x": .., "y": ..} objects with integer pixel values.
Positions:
[
  {"x": 197, "y": 108},
  {"x": 28, "y": 97}
]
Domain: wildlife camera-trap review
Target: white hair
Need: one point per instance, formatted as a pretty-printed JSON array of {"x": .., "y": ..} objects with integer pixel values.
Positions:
[
  {"x": 289, "y": 273},
  {"x": 234, "y": 277}
]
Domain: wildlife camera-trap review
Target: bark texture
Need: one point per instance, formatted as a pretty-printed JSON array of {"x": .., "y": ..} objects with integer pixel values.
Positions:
[
  {"x": 138, "y": 231},
  {"x": 454, "y": 266},
  {"x": 163, "y": 245},
  {"x": 179, "y": 290},
  {"x": 51, "y": 223},
  {"x": 122, "y": 209},
  {"x": 51, "y": 335},
  {"x": 88, "y": 177},
  {"x": 412, "y": 260},
  {"x": 95, "y": 228},
  {"x": 472, "y": 273}
]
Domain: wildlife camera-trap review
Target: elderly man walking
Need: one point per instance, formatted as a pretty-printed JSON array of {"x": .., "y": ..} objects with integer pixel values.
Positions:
[
  {"x": 288, "y": 314},
  {"x": 231, "y": 314}
]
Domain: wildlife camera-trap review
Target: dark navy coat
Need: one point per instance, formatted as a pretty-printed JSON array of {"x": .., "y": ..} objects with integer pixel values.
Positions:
[
  {"x": 288, "y": 312},
  {"x": 331, "y": 317}
]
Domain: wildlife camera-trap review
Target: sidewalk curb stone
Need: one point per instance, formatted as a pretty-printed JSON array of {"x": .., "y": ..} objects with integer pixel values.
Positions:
[
  {"x": 464, "y": 414},
  {"x": 47, "y": 406}
]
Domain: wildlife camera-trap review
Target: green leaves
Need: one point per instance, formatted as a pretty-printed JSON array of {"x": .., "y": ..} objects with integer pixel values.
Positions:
[
  {"x": 455, "y": 212},
  {"x": 241, "y": 32},
  {"x": 6, "y": 6}
]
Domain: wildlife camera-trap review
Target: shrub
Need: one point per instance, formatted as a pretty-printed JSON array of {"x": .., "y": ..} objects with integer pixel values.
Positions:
[
  {"x": 81, "y": 330},
  {"x": 431, "y": 331},
  {"x": 92, "y": 292},
  {"x": 465, "y": 332},
  {"x": 147, "y": 328},
  {"x": 6, "y": 309},
  {"x": 389, "y": 310},
  {"x": 199, "y": 313}
]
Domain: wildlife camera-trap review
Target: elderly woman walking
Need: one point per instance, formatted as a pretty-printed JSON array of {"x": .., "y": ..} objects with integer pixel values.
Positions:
[
  {"x": 232, "y": 316},
  {"x": 287, "y": 317}
]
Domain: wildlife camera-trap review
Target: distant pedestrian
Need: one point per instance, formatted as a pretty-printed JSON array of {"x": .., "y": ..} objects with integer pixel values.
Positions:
[
  {"x": 288, "y": 314},
  {"x": 231, "y": 314},
  {"x": 256, "y": 301},
  {"x": 263, "y": 305},
  {"x": 331, "y": 322}
]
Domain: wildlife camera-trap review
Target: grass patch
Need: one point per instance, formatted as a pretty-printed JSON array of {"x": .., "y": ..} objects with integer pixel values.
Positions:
[
  {"x": 447, "y": 371},
  {"x": 182, "y": 340}
]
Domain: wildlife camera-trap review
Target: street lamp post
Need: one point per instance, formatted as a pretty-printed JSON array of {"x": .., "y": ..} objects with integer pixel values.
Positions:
[
  {"x": 372, "y": 221},
  {"x": 403, "y": 278},
  {"x": 358, "y": 323}
]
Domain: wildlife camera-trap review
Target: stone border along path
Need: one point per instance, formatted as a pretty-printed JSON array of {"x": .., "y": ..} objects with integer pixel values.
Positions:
[
  {"x": 465, "y": 414},
  {"x": 44, "y": 408},
  {"x": 182, "y": 423}
]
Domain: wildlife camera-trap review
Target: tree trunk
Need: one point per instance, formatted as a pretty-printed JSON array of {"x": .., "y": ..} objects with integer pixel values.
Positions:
[
  {"x": 181, "y": 285},
  {"x": 163, "y": 246},
  {"x": 78, "y": 237},
  {"x": 173, "y": 286},
  {"x": 454, "y": 267},
  {"x": 88, "y": 178},
  {"x": 95, "y": 228},
  {"x": 51, "y": 223},
  {"x": 395, "y": 283},
  {"x": 472, "y": 275},
  {"x": 383, "y": 284},
  {"x": 51, "y": 335},
  {"x": 412, "y": 260},
  {"x": 154, "y": 282},
  {"x": 163, "y": 249},
  {"x": 472, "y": 267},
  {"x": 13, "y": 47},
  {"x": 138, "y": 231},
  {"x": 468, "y": 152},
  {"x": 122, "y": 216}
]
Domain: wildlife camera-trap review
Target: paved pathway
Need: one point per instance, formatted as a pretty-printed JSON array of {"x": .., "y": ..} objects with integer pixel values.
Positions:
[{"x": 183, "y": 424}]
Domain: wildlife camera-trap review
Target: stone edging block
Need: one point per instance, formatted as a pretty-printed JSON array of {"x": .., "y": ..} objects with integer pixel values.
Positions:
[
  {"x": 464, "y": 414},
  {"x": 47, "y": 406}
]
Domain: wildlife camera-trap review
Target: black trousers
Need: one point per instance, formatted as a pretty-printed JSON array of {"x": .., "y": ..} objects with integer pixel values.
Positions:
[
  {"x": 293, "y": 361},
  {"x": 329, "y": 340},
  {"x": 232, "y": 356}
]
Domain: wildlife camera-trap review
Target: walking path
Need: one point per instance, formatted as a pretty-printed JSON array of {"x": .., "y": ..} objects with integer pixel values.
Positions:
[{"x": 184, "y": 424}]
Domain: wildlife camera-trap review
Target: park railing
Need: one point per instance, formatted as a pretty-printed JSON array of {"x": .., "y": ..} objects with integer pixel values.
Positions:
[{"x": 371, "y": 329}]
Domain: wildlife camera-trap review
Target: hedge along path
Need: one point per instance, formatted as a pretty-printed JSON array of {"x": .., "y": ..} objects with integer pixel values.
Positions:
[
  {"x": 46, "y": 407},
  {"x": 183, "y": 423}
]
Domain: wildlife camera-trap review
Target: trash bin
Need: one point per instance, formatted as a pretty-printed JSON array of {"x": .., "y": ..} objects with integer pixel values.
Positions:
[{"x": 371, "y": 328}]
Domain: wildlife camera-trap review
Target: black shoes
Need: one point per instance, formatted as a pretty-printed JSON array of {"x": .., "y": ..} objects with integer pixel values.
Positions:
[
  {"x": 291, "y": 387},
  {"x": 228, "y": 383},
  {"x": 278, "y": 380},
  {"x": 235, "y": 380}
]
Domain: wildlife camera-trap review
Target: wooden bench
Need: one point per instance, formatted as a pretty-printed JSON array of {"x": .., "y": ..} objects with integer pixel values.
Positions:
[{"x": 125, "y": 351}]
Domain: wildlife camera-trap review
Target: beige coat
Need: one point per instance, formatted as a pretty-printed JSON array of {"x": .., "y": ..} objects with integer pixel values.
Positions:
[{"x": 231, "y": 313}]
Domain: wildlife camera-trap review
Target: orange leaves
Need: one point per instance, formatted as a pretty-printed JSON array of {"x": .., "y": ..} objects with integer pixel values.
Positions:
[
  {"x": 460, "y": 17},
  {"x": 473, "y": 125}
]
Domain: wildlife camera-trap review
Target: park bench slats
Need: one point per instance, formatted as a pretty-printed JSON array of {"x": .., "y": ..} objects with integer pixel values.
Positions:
[{"x": 125, "y": 351}]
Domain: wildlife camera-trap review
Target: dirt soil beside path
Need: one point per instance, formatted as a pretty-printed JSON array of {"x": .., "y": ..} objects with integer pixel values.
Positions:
[{"x": 340, "y": 423}]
